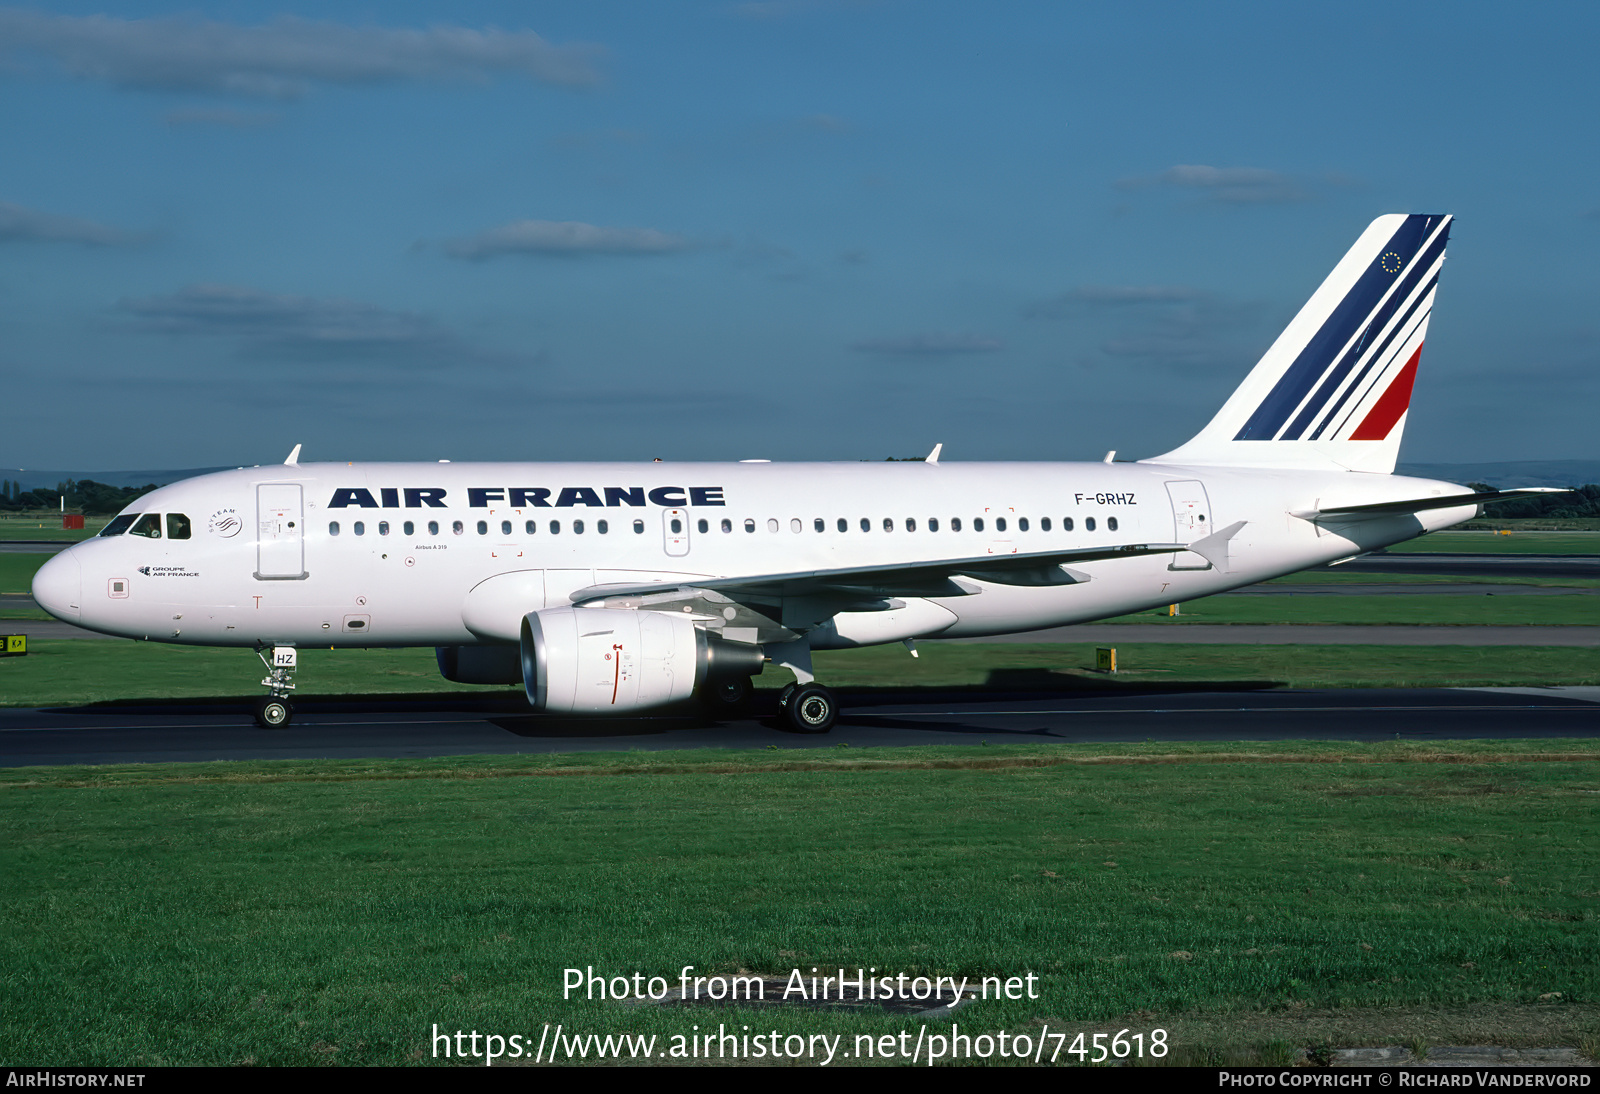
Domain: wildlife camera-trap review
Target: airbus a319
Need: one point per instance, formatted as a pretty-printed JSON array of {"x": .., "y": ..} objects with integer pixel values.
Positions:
[{"x": 616, "y": 587}]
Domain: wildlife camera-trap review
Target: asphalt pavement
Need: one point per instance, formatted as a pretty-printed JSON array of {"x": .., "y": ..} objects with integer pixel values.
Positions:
[{"x": 869, "y": 718}]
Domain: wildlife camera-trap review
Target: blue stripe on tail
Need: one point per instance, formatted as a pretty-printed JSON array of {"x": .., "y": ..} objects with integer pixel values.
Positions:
[{"x": 1336, "y": 332}]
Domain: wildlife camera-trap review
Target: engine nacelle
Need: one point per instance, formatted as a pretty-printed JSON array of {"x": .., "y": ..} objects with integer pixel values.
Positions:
[
  {"x": 480, "y": 664},
  {"x": 594, "y": 660}
]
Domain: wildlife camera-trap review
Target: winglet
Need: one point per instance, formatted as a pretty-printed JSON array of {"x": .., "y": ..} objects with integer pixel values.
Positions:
[
  {"x": 294, "y": 457},
  {"x": 933, "y": 457}
]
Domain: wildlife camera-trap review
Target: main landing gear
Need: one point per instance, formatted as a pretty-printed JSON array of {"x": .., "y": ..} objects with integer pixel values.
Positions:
[
  {"x": 808, "y": 708},
  {"x": 274, "y": 711}
]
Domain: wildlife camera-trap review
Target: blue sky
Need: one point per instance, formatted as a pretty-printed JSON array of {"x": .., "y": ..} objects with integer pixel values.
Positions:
[{"x": 793, "y": 229}]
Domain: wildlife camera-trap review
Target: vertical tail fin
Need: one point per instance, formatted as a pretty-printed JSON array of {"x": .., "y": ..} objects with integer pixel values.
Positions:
[{"x": 1333, "y": 390}]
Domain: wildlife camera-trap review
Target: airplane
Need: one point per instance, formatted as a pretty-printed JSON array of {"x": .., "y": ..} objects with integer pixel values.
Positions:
[{"x": 620, "y": 587}]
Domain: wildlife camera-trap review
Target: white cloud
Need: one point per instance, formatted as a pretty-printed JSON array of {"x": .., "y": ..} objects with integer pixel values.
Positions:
[
  {"x": 563, "y": 237},
  {"x": 18, "y": 223},
  {"x": 281, "y": 59},
  {"x": 1095, "y": 296},
  {"x": 930, "y": 345},
  {"x": 1233, "y": 185},
  {"x": 296, "y": 326}
]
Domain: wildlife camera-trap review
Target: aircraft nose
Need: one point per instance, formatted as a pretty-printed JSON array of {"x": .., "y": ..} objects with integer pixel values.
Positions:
[{"x": 58, "y": 586}]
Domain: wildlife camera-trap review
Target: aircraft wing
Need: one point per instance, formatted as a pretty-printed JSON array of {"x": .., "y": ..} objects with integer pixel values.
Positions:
[
  {"x": 938, "y": 578},
  {"x": 1417, "y": 505}
]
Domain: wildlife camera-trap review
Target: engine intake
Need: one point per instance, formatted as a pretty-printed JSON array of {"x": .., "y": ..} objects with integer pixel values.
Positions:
[{"x": 592, "y": 660}]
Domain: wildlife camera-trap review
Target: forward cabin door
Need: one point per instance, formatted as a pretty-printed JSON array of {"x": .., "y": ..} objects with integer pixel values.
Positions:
[
  {"x": 280, "y": 532},
  {"x": 1192, "y": 519}
]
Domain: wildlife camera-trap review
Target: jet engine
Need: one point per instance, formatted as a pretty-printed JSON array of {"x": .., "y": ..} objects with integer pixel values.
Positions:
[{"x": 593, "y": 660}]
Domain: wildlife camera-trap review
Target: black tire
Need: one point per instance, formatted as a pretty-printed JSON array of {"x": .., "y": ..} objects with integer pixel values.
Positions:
[
  {"x": 729, "y": 698},
  {"x": 274, "y": 713},
  {"x": 811, "y": 709}
]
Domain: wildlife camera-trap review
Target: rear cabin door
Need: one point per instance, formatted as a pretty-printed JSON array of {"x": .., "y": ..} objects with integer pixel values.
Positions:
[
  {"x": 280, "y": 536},
  {"x": 1192, "y": 519}
]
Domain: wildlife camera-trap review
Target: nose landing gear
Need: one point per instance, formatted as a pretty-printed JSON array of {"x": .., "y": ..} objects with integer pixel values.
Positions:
[{"x": 274, "y": 711}]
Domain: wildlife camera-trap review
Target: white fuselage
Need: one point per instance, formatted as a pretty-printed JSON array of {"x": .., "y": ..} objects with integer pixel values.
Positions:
[{"x": 348, "y": 573}]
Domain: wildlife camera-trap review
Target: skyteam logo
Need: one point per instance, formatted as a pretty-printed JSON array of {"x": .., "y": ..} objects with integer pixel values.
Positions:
[
  {"x": 224, "y": 523},
  {"x": 1351, "y": 378}
]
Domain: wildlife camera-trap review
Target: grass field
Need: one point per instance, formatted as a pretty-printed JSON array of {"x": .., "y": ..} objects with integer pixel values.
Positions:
[
  {"x": 1553, "y": 610},
  {"x": 1494, "y": 543},
  {"x": 16, "y": 571},
  {"x": 74, "y": 671},
  {"x": 13, "y": 527},
  {"x": 1248, "y": 901}
]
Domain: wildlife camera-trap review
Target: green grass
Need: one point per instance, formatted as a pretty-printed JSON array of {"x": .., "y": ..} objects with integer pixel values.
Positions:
[
  {"x": 17, "y": 570},
  {"x": 1342, "y": 576},
  {"x": 48, "y": 527},
  {"x": 1493, "y": 543},
  {"x": 75, "y": 671},
  {"x": 306, "y": 913},
  {"x": 1553, "y": 610}
]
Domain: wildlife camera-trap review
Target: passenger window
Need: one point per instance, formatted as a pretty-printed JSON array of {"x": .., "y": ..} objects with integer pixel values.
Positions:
[
  {"x": 866, "y": 525},
  {"x": 977, "y": 524},
  {"x": 888, "y": 524},
  {"x": 149, "y": 526},
  {"x": 727, "y": 525},
  {"x": 911, "y": 524},
  {"x": 1022, "y": 524},
  {"x": 577, "y": 527},
  {"x": 359, "y": 528},
  {"x": 457, "y": 527},
  {"x": 638, "y": 527},
  {"x": 955, "y": 524},
  {"x": 677, "y": 526},
  {"x": 383, "y": 527},
  {"x": 844, "y": 525},
  {"x": 704, "y": 525},
  {"x": 530, "y": 528},
  {"x": 602, "y": 527},
  {"x": 177, "y": 526},
  {"x": 933, "y": 524},
  {"x": 483, "y": 527},
  {"x": 749, "y": 525},
  {"x": 1088, "y": 524},
  {"x": 795, "y": 525},
  {"x": 999, "y": 524},
  {"x": 505, "y": 528},
  {"x": 433, "y": 527},
  {"x": 820, "y": 525},
  {"x": 120, "y": 525},
  {"x": 1066, "y": 524},
  {"x": 1044, "y": 524},
  {"x": 555, "y": 528},
  {"x": 333, "y": 527},
  {"x": 410, "y": 529},
  {"x": 772, "y": 524},
  {"x": 1111, "y": 523}
]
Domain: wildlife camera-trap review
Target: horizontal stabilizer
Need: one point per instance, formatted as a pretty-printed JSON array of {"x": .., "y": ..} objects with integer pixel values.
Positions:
[{"x": 1417, "y": 505}]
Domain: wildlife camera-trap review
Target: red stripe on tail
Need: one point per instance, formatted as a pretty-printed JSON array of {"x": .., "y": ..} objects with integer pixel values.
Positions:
[{"x": 1382, "y": 417}]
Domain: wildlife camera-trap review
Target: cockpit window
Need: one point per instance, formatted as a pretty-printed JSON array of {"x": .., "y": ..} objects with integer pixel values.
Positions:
[
  {"x": 177, "y": 526},
  {"x": 149, "y": 526},
  {"x": 119, "y": 525}
]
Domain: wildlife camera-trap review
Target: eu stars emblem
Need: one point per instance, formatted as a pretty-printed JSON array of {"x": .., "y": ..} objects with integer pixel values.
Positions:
[{"x": 1391, "y": 262}]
